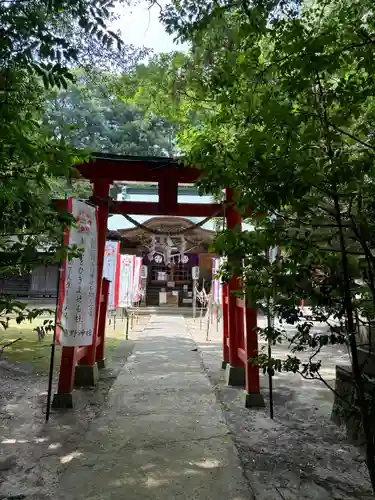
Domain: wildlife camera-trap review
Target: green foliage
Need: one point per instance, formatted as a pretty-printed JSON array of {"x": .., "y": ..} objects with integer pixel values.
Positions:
[
  {"x": 19, "y": 312},
  {"x": 46, "y": 38},
  {"x": 27, "y": 160},
  {"x": 284, "y": 95},
  {"x": 159, "y": 87},
  {"x": 285, "y": 118},
  {"x": 89, "y": 117},
  {"x": 40, "y": 44}
]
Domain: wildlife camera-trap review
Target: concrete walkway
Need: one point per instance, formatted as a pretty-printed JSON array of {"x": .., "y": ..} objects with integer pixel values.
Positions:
[{"x": 162, "y": 434}]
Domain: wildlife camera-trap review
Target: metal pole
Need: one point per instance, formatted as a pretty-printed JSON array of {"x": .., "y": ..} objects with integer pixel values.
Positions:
[
  {"x": 53, "y": 346},
  {"x": 270, "y": 385},
  {"x": 194, "y": 299},
  {"x": 53, "y": 349},
  {"x": 201, "y": 316},
  {"x": 127, "y": 325},
  {"x": 270, "y": 325},
  {"x": 68, "y": 191},
  {"x": 209, "y": 316}
]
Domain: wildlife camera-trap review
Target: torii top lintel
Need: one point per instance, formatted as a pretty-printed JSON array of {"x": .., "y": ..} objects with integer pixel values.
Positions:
[
  {"x": 137, "y": 169},
  {"x": 104, "y": 169}
]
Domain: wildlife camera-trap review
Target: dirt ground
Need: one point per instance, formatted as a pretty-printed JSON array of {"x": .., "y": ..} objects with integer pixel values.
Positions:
[
  {"x": 300, "y": 454},
  {"x": 32, "y": 451}
]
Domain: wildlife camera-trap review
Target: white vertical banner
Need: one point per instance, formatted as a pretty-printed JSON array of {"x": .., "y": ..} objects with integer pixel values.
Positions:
[
  {"x": 125, "y": 280},
  {"x": 217, "y": 285},
  {"x": 220, "y": 262},
  {"x": 109, "y": 269},
  {"x": 136, "y": 279},
  {"x": 78, "y": 282},
  {"x": 215, "y": 281}
]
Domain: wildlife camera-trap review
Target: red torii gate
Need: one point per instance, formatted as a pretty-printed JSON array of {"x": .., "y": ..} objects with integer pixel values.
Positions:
[{"x": 239, "y": 320}]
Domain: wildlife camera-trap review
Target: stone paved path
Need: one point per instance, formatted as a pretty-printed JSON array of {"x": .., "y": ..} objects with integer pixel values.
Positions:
[{"x": 162, "y": 434}]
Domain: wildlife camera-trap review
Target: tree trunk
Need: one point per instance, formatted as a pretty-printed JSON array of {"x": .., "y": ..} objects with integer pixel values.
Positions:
[{"x": 356, "y": 370}]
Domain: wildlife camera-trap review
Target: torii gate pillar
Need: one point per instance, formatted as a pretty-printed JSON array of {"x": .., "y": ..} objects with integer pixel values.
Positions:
[
  {"x": 235, "y": 370},
  {"x": 86, "y": 373},
  {"x": 240, "y": 336}
]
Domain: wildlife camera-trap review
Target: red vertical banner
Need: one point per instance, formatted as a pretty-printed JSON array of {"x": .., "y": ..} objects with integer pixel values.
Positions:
[
  {"x": 225, "y": 325},
  {"x": 61, "y": 290}
]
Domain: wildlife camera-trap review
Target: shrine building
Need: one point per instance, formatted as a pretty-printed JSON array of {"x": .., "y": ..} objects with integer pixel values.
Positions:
[{"x": 172, "y": 248}]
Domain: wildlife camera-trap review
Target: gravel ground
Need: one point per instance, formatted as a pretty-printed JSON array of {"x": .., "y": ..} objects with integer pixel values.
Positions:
[
  {"x": 300, "y": 454},
  {"x": 31, "y": 451}
]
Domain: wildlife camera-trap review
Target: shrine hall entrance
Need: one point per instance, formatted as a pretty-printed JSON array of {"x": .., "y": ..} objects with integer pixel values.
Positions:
[
  {"x": 175, "y": 258},
  {"x": 170, "y": 284}
]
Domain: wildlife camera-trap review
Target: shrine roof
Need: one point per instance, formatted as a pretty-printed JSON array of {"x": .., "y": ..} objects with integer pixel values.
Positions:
[{"x": 169, "y": 225}]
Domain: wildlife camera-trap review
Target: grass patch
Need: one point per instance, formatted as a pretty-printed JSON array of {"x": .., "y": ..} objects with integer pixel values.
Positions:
[{"x": 34, "y": 354}]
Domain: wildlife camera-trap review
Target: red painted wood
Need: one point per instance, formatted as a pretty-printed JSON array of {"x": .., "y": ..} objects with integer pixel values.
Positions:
[
  {"x": 225, "y": 323},
  {"x": 168, "y": 196},
  {"x": 236, "y": 327},
  {"x": 240, "y": 326},
  {"x": 233, "y": 346},
  {"x": 80, "y": 352},
  {"x": 136, "y": 171},
  {"x": 242, "y": 355},
  {"x": 180, "y": 210},
  {"x": 102, "y": 320},
  {"x": 252, "y": 372},
  {"x": 101, "y": 192},
  {"x": 62, "y": 205},
  {"x": 233, "y": 218},
  {"x": 67, "y": 366}
]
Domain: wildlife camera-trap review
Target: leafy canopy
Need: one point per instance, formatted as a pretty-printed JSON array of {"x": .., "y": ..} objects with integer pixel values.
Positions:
[
  {"x": 284, "y": 96},
  {"x": 40, "y": 44}
]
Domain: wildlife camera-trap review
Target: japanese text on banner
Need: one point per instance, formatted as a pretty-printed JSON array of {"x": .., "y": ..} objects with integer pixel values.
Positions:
[{"x": 78, "y": 311}]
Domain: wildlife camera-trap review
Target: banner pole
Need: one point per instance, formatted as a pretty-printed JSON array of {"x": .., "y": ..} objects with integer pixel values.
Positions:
[
  {"x": 53, "y": 350},
  {"x": 194, "y": 299},
  {"x": 53, "y": 346}
]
